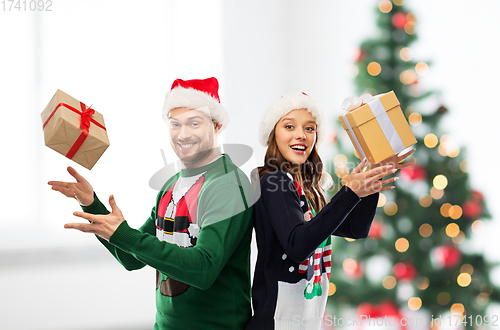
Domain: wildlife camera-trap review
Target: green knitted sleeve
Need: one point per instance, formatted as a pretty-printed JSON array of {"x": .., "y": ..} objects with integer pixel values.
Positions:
[
  {"x": 126, "y": 259},
  {"x": 225, "y": 219}
]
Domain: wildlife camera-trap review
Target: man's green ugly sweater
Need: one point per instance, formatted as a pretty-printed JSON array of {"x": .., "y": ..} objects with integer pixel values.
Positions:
[{"x": 198, "y": 243}]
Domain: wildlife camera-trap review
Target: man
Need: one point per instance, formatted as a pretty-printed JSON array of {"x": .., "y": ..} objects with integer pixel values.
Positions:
[{"x": 198, "y": 234}]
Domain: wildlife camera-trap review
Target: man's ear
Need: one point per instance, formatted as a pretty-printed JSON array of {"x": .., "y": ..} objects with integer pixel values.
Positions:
[{"x": 217, "y": 127}]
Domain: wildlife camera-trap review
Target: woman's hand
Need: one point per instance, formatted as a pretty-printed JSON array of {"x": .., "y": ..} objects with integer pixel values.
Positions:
[
  {"x": 102, "y": 225},
  {"x": 395, "y": 161},
  {"x": 81, "y": 190},
  {"x": 369, "y": 182}
]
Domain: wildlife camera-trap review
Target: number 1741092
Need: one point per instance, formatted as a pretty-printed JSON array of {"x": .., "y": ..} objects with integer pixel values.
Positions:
[
  {"x": 26, "y": 5},
  {"x": 466, "y": 320}
]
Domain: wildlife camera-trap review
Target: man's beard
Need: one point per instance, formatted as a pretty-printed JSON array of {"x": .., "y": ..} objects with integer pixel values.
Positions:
[
  {"x": 195, "y": 157},
  {"x": 203, "y": 150}
]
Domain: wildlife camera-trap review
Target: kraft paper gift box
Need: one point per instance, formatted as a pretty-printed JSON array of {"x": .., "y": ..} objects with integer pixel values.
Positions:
[
  {"x": 378, "y": 129},
  {"x": 74, "y": 130}
]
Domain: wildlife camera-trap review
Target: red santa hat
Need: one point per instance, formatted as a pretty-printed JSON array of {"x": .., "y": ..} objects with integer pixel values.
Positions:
[
  {"x": 197, "y": 94},
  {"x": 285, "y": 104}
]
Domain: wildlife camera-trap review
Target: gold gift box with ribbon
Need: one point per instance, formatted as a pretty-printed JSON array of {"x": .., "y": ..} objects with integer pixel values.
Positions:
[
  {"x": 74, "y": 130},
  {"x": 378, "y": 129}
]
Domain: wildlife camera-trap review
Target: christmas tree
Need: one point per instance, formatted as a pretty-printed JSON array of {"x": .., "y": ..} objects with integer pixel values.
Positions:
[{"x": 417, "y": 256}]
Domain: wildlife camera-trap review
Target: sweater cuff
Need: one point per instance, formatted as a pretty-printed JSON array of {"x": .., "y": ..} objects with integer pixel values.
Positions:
[
  {"x": 125, "y": 237},
  {"x": 347, "y": 198},
  {"x": 96, "y": 207}
]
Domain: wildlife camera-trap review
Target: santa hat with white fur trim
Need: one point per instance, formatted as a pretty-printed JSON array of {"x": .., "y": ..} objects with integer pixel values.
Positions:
[
  {"x": 196, "y": 94},
  {"x": 282, "y": 106},
  {"x": 285, "y": 104}
]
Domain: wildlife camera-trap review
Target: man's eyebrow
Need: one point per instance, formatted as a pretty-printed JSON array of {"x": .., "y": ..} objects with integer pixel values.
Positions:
[
  {"x": 189, "y": 118},
  {"x": 195, "y": 117}
]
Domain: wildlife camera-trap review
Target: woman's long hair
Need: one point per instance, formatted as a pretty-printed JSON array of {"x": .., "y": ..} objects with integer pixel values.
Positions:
[{"x": 308, "y": 175}]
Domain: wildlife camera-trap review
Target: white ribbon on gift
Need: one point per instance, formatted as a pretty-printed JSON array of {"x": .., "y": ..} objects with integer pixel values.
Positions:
[
  {"x": 381, "y": 116},
  {"x": 355, "y": 139}
]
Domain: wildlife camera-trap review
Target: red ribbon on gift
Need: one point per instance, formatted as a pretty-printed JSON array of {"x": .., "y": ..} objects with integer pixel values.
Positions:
[{"x": 85, "y": 114}]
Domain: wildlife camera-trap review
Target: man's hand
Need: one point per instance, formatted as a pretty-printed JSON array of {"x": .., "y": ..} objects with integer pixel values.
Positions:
[
  {"x": 81, "y": 190},
  {"x": 101, "y": 225}
]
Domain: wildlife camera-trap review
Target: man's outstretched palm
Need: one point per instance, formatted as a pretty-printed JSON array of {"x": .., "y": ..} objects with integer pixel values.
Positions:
[{"x": 81, "y": 190}]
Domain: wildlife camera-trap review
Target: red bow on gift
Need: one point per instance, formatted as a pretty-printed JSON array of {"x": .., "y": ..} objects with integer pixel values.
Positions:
[{"x": 85, "y": 114}]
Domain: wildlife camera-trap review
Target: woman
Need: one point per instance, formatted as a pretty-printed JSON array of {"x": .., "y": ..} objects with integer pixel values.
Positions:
[{"x": 293, "y": 221}]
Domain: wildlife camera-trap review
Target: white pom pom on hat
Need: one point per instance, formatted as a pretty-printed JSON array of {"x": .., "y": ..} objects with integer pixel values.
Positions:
[
  {"x": 197, "y": 94},
  {"x": 285, "y": 104}
]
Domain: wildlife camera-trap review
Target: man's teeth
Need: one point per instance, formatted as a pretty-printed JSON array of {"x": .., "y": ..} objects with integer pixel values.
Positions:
[{"x": 189, "y": 145}]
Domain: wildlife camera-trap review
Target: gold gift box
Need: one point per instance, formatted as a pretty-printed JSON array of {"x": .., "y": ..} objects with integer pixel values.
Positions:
[
  {"x": 62, "y": 119},
  {"x": 371, "y": 136}
]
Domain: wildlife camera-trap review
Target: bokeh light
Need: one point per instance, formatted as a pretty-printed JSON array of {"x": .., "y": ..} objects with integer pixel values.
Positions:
[
  {"x": 452, "y": 229},
  {"x": 457, "y": 309},
  {"x": 430, "y": 140},
  {"x": 410, "y": 17},
  {"x": 374, "y": 68},
  {"x": 349, "y": 265},
  {"x": 452, "y": 150},
  {"x": 486, "y": 288},
  {"x": 340, "y": 159},
  {"x": 467, "y": 268},
  {"x": 410, "y": 28},
  {"x": 354, "y": 71},
  {"x": 445, "y": 209},
  {"x": 443, "y": 298},
  {"x": 398, "y": 2},
  {"x": 423, "y": 283},
  {"x": 402, "y": 244},
  {"x": 342, "y": 170},
  {"x": 414, "y": 303},
  {"x": 389, "y": 282},
  {"x": 445, "y": 138},
  {"x": 436, "y": 193},
  {"x": 331, "y": 289},
  {"x": 440, "y": 182},
  {"x": 390, "y": 208},
  {"x": 425, "y": 230},
  {"x": 455, "y": 212},
  {"x": 463, "y": 166},
  {"x": 425, "y": 200},
  {"x": 459, "y": 239},
  {"x": 415, "y": 119},
  {"x": 406, "y": 54},
  {"x": 408, "y": 77},
  {"x": 381, "y": 200},
  {"x": 477, "y": 226},
  {"x": 385, "y": 6},
  {"x": 464, "y": 279},
  {"x": 482, "y": 299},
  {"x": 421, "y": 68}
]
